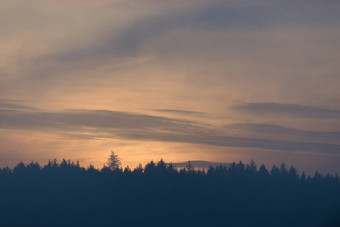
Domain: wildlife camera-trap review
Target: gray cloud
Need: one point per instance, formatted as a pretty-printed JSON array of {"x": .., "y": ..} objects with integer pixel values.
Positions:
[
  {"x": 113, "y": 44},
  {"x": 295, "y": 110},
  {"x": 88, "y": 118},
  {"x": 14, "y": 105},
  {"x": 215, "y": 15},
  {"x": 229, "y": 141},
  {"x": 133, "y": 126},
  {"x": 181, "y": 112},
  {"x": 269, "y": 131}
]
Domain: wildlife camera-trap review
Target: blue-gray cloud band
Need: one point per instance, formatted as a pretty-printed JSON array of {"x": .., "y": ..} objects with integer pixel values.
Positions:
[
  {"x": 295, "y": 110},
  {"x": 180, "y": 112},
  {"x": 134, "y": 126},
  {"x": 213, "y": 15},
  {"x": 269, "y": 130}
]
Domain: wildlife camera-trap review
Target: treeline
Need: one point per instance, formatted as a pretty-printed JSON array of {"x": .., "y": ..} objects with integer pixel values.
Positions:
[
  {"x": 238, "y": 194},
  {"x": 234, "y": 171}
]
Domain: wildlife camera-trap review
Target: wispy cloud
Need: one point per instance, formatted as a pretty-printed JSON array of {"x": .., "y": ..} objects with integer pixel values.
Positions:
[
  {"x": 88, "y": 118},
  {"x": 14, "y": 105},
  {"x": 275, "y": 131},
  {"x": 180, "y": 112},
  {"x": 134, "y": 36},
  {"x": 134, "y": 126},
  {"x": 295, "y": 110},
  {"x": 202, "y": 15}
]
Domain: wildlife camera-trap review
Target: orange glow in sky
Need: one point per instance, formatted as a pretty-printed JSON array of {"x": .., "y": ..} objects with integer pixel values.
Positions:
[{"x": 194, "y": 80}]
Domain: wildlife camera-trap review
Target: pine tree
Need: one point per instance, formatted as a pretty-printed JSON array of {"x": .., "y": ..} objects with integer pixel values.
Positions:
[{"x": 114, "y": 161}]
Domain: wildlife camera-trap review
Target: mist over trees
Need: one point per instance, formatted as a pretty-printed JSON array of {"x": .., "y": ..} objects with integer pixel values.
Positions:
[{"x": 158, "y": 194}]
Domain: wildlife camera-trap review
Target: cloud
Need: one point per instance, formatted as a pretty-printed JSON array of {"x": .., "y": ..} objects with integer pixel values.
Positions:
[
  {"x": 295, "y": 110},
  {"x": 216, "y": 15},
  {"x": 134, "y": 126},
  {"x": 88, "y": 118},
  {"x": 220, "y": 32},
  {"x": 14, "y": 105},
  {"x": 129, "y": 40},
  {"x": 242, "y": 142},
  {"x": 180, "y": 112},
  {"x": 275, "y": 131}
]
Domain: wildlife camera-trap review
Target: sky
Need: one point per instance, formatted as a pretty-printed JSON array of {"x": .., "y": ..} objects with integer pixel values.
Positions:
[{"x": 186, "y": 80}]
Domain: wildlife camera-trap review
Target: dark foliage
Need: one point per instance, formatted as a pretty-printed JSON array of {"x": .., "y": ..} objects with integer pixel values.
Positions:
[{"x": 66, "y": 194}]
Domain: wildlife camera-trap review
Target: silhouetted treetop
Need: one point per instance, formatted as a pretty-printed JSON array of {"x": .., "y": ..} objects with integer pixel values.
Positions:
[{"x": 113, "y": 161}]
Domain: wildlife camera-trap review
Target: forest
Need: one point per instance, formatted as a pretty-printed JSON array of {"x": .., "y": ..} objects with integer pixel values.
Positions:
[{"x": 158, "y": 194}]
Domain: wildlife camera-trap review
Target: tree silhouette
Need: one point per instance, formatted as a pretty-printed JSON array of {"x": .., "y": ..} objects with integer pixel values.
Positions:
[
  {"x": 189, "y": 168},
  {"x": 114, "y": 161},
  {"x": 236, "y": 192}
]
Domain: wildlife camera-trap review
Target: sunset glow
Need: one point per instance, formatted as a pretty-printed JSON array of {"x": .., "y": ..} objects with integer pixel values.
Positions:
[{"x": 180, "y": 80}]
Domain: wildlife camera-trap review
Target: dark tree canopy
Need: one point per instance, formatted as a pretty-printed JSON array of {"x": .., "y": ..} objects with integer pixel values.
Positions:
[{"x": 158, "y": 194}]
